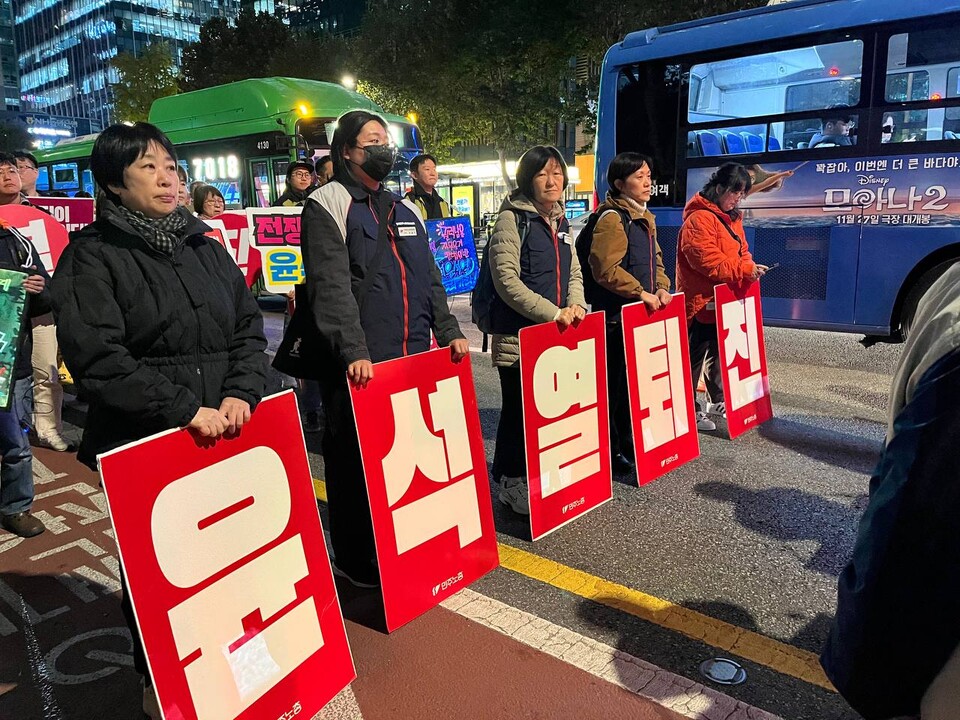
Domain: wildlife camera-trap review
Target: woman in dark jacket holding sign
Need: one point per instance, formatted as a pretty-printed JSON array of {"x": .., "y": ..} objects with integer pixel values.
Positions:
[
  {"x": 712, "y": 250},
  {"x": 375, "y": 293},
  {"x": 154, "y": 319}
]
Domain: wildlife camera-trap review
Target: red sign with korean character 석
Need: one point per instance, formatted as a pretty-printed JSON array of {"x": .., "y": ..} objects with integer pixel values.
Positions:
[
  {"x": 225, "y": 560},
  {"x": 232, "y": 230},
  {"x": 743, "y": 357},
  {"x": 49, "y": 237},
  {"x": 423, "y": 458},
  {"x": 275, "y": 232},
  {"x": 566, "y": 425},
  {"x": 663, "y": 416}
]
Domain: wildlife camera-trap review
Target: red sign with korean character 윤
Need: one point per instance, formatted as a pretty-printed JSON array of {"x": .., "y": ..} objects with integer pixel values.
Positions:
[
  {"x": 275, "y": 232},
  {"x": 231, "y": 229},
  {"x": 426, "y": 472},
  {"x": 225, "y": 559},
  {"x": 743, "y": 357},
  {"x": 662, "y": 410},
  {"x": 566, "y": 425}
]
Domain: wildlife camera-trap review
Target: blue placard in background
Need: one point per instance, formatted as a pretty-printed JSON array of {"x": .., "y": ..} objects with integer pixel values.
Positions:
[{"x": 451, "y": 242}]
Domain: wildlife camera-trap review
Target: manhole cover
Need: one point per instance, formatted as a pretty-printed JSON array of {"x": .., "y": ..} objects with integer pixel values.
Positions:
[{"x": 723, "y": 671}]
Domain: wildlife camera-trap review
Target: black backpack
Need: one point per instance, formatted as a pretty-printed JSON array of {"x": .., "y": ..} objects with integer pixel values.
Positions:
[
  {"x": 484, "y": 292},
  {"x": 585, "y": 240}
]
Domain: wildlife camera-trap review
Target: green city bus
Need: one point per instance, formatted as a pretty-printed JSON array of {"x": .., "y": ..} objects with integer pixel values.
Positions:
[{"x": 239, "y": 137}]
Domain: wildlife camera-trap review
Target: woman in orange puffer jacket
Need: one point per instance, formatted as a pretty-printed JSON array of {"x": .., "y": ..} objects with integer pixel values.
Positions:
[{"x": 711, "y": 250}]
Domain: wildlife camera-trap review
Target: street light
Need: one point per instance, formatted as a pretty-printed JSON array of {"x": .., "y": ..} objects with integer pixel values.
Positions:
[{"x": 349, "y": 82}]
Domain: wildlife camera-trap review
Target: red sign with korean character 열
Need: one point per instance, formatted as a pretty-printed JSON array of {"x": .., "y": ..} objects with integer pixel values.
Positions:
[
  {"x": 231, "y": 229},
  {"x": 426, "y": 472},
  {"x": 228, "y": 572},
  {"x": 49, "y": 237},
  {"x": 566, "y": 425},
  {"x": 743, "y": 356},
  {"x": 275, "y": 232},
  {"x": 662, "y": 410}
]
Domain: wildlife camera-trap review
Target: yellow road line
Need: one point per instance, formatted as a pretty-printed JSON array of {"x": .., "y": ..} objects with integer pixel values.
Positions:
[
  {"x": 746, "y": 644},
  {"x": 776, "y": 655}
]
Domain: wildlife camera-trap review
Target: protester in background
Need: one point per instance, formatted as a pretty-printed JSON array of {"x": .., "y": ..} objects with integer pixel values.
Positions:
[
  {"x": 208, "y": 202},
  {"x": 82, "y": 194},
  {"x": 423, "y": 170},
  {"x": 183, "y": 196},
  {"x": 537, "y": 279},
  {"x": 712, "y": 250},
  {"x": 29, "y": 171},
  {"x": 324, "y": 170},
  {"x": 16, "y": 466},
  {"x": 620, "y": 246},
  {"x": 299, "y": 184},
  {"x": 126, "y": 296},
  {"x": 908, "y": 546},
  {"x": 375, "y": 293}
]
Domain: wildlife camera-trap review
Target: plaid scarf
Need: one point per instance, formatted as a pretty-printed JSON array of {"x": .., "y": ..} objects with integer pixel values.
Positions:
[{"x": 165, "y": 234}]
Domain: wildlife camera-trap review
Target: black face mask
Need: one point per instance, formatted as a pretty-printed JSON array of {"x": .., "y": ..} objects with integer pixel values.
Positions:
[{"x": 379, "y": 161}]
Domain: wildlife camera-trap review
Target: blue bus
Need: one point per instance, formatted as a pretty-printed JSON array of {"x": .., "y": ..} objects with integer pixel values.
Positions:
[{"x": 846, "y": 113}]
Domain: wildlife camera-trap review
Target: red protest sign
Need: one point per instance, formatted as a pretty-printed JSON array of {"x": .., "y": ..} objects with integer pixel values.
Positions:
[
  {"x": 423, "y": 458},
  {"x": 72, "y": 213},
  {"x": 225, "y": 559},
  {"x": 566, "y": 426},
  {"x": 47, "y": 235},
  {"x": 662, "y": 411},
  {"x": 743, "y": 357},
  {"x": 231, "y": 230}
]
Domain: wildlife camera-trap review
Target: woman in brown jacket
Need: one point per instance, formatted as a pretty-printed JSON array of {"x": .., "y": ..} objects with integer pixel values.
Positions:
[{"x": 712, "y": 250}]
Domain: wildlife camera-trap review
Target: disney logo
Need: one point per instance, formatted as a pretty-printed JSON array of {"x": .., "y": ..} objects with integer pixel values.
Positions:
[{"x": 872, "y": 180}]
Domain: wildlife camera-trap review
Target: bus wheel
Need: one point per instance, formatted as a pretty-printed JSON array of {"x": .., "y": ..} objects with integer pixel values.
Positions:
[{"x": 920, "y": 287}]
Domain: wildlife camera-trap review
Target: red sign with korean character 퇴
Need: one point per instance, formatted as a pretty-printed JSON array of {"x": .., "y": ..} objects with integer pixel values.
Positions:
[
  {"x": 743, "y": 357},
  {"x": 662, "y": 412},
  {"x": 231, "y": 230},
  {"x": 566, "y": 426},
  {"x": 423, "y": 458},
  {"x": 225, "y": 559}
]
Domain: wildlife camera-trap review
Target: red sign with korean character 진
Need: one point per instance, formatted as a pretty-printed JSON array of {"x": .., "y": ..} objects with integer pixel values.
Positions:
[
  {"x": 231, "y": 229},
  {"x": 275, "y": 232},
  {"x": 49, "y": 237},
  {"x": 228, "y": 572},
  {"x": 662, "y": 411},
  {"x": 423, "y": 458},
  {"x": 566, "y": 426},
  {"x": 743, "y": 357}
]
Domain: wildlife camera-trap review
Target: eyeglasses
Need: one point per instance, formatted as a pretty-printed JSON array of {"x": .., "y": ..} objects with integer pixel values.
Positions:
[
  {"x": 300, "y": 174},
  {"x": 26, "y": 166}
]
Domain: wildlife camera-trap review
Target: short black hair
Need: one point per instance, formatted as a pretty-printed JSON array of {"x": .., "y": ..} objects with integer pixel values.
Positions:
[
  {"x": 345, "y": 136},
  {"x": 8, "y": 159},
  {"x": 729, "y": 177},
  {"x": 201, "y": 193},
  {"x": 420, "y": 160},
  {"x": 24, "y": 155},
  {"x": 533, "y": 161},
  {"x": 181, "y": 173},
  {"x": 118, "y": 147},
  {"x": 623, "y": 166},
  {"x": 323, "y": 161}
]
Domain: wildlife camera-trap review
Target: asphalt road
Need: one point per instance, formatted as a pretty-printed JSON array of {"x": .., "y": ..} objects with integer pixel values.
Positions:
[{"x": 753, "y": 533}]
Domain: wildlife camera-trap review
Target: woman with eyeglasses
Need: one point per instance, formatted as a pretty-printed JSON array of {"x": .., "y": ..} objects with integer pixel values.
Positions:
[
  {"x": 299, "y": 184},
  {"x": 208, "y": 202},
  {"x": 712, "y": 250},
  {"x": 374, "y": 293}
]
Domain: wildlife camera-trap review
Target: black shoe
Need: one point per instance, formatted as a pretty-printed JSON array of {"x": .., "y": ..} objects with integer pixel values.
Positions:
[
  {"x": 629, "y": 453},
  {"x": 311, "y": 423},
  {"x": 23, "y": 524},
  {"x": 620, "y": 464},
  {"x": 358, "y": 577}
]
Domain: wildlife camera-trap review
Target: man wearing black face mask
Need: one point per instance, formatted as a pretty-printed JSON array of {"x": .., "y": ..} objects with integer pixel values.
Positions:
[{"x": 374, "y": 293}]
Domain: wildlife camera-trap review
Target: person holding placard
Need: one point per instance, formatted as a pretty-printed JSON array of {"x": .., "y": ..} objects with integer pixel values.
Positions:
[{"x": 536, "y": 276}]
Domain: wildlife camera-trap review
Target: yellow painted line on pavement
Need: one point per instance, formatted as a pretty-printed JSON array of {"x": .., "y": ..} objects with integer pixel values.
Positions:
[
  {"x": 746, "y": 644},
  {"x": 749, "y": 645}
]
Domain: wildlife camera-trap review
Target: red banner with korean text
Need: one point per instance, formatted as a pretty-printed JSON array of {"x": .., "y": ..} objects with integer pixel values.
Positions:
[
  {"x": 423, "y": 458},
  {"x": 47, "y": 235},
  {"x": 72, "y": 213},
  {"x": 566, "y": 425},
  {"x": 743, "y": 356},
  {"x": 231, "y": 229},
  {"x": 275, "y": 232},
  {"x": 662, "y": 409},
  {"x": 224, "y": 556}
]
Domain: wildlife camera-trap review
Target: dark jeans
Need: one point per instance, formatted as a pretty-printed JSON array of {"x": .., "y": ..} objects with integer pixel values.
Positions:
[
  {"x": 351, "y": 528},
  {"x": 16, "y": 468},
  {"x": 621, "y": 435},
  {"x": 509, "y": 457},
  {"x": 705, "y": 358}
]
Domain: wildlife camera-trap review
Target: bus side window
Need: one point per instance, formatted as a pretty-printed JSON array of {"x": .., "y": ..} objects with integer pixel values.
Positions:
[{"x": 43, "y": 178}]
